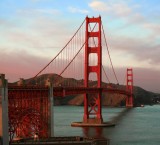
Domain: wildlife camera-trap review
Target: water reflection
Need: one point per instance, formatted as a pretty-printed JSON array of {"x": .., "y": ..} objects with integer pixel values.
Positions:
[{"x": 95, "y": 132}]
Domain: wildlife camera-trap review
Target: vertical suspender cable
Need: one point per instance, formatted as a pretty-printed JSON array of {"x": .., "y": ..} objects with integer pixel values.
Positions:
[{"x": 109, "y": 56}]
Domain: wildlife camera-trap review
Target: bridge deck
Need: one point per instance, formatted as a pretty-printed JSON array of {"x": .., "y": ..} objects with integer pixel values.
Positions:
[{"x": 65, "y": 91}]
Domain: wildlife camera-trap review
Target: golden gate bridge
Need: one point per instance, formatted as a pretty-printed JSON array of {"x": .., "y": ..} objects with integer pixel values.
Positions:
[{"x": 29, "y": 106}]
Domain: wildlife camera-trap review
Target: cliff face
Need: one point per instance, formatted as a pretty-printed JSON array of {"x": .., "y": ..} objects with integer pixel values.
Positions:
[{"x": 141, "y": 96}]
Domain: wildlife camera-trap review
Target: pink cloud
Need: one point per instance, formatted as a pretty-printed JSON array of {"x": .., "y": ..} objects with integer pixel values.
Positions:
[{"x": 20, "y": 64}]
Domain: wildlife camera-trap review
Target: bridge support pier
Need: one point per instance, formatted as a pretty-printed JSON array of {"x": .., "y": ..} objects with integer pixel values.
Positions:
[
  {"x": 92, "y": 106},
  {"x": 51, "y": 107},
  {"x": 129, "y": 87},
  {"x": 4, "y": 135}
]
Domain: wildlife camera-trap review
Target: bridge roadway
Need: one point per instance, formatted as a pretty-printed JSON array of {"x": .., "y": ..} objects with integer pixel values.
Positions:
[{"x": 66, "y": 91}]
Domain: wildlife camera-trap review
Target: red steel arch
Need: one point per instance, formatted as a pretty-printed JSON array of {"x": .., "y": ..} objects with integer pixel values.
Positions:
[{"x": 28, "y": 112}]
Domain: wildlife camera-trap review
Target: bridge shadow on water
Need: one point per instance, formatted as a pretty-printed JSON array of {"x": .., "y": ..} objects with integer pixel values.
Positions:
[
  {"x": 117, "y": 118},
  {"x": 103, "y": 132}
]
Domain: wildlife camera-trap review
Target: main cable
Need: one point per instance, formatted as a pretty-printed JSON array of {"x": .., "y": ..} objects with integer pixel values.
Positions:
[
  {"x": 109, "y": 55},
  {"x": 60, "y": 51}
]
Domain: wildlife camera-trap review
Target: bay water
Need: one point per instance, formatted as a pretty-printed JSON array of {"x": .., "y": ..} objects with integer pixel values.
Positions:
[{"x": 137, "y": 126}]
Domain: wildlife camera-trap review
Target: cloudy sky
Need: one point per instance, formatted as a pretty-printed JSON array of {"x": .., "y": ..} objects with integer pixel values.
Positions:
[{"x": 33, "y": 31}]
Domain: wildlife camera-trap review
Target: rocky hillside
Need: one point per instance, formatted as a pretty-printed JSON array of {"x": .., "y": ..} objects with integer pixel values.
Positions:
[{"x": 108, "y": 99}]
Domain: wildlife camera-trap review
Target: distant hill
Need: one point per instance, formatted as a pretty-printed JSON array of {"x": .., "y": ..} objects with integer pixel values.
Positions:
[{"x": 108, "y": 99}]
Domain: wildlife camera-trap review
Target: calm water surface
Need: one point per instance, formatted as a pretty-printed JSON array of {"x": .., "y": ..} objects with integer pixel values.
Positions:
[{"x": 139, "y": 126}]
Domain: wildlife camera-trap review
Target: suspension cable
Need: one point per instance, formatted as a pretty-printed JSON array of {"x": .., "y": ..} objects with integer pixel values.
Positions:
[
  {"x": 72, "y": 59},
  {"x": 109, "y": 55},
  {"x": 75, "y": 54},
  {"x": 105, "y": 74},
  {"x": 125, "y": 77},
  {"x": 60, "y": 51}
]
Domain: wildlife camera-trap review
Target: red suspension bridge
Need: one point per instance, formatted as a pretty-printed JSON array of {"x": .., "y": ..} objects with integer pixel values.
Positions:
[{"x": 82, "y": 58}]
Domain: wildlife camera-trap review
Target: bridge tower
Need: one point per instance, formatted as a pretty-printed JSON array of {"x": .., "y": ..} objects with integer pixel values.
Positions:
[
  {"x": 92, "y": 102},
  {"x": 129, "y": 87}
]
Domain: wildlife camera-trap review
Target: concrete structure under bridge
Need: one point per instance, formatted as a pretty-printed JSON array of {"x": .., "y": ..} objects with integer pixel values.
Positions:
[{"x": 4, "y": 134}]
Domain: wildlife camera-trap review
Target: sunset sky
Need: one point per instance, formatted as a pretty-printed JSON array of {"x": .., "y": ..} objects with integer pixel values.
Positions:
[{"x": 33, "y": 31}]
